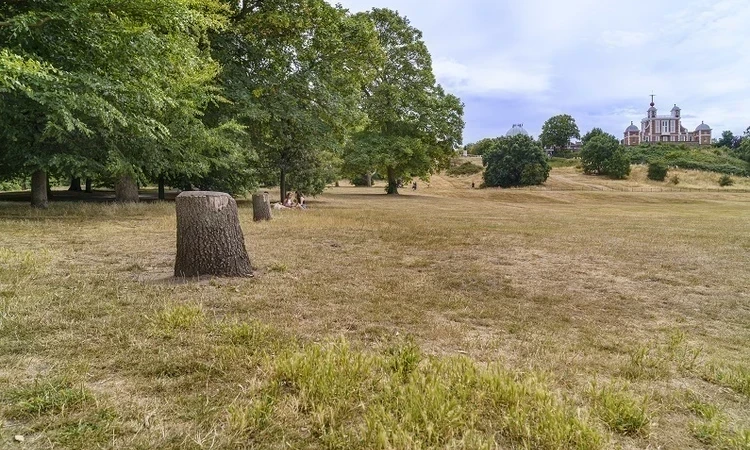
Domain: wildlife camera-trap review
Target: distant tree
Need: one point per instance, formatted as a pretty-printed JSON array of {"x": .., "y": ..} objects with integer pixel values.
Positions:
[
  {"x": 515, "y": 161},
  {"x": 603, "y": 155},
  {"x": 594, "y": 132},
  {"x": 743, "y": 150},
  {"x": 557, "y": 131},
  {"x": 727, "y": 140},
  {"x": 480, "y": 147}
]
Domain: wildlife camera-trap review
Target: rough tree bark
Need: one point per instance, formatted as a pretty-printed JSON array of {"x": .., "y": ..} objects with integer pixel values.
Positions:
[
  {"x": 368, "y": 179},
  {"x": 261, "y": 206},
  {"x": 392, "y": 188},
  {"x": 39, "y": 189},
  {"x": 282, "y": 184},
  {"x": 126, "y": 190},
  {"x": 161, "y": 187},
  {"x": 209, "y": 237},
  {"x": 88, "y": 186},
  {"x": 75, "y": 184}
]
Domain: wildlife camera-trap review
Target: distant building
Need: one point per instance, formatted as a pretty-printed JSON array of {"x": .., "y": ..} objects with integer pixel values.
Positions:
[
  {"x": 656, "y": 128},
  {"x": 516, "y": 129}
]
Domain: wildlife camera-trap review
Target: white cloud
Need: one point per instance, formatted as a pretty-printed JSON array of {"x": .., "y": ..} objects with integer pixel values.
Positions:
[{"x": 490, "y": 77}]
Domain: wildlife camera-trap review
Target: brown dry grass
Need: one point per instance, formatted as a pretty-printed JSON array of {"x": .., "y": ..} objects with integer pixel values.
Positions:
[{"x": 648, "y": 293}]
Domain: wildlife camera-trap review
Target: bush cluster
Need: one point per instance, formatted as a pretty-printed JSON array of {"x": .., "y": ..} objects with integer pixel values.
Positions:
[
  {"x": 657, "y": 171},
  {"x": 686, "y": 157},
  {"x": 515, "y": 161},
  {"x": 467, "y": 168}
]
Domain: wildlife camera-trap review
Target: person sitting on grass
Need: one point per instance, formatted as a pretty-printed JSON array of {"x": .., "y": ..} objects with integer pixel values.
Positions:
[
  {"x": 301, "y": 200},
  {"x": 289, "y": 200}
]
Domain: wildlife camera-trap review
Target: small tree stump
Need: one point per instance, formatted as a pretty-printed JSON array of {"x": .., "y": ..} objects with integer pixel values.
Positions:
[
  {"x": 126, "y": 190},
  {"x": 261, "y": 206},
  {"x": 209, "y": 237}
]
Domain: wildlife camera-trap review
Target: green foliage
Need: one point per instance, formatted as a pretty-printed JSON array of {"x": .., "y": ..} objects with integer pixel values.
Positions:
[
  {"x": 657, "y": 171},
  {"x": 725, "y": 180},
  {"x": 557, "y": 161},
  {"x": 480, "y": 147},
  {"x": 413, "y": 126},
  {"x": 558, "y": 130},
  {"x": 742, "y": 151},
  {"x": 687, "y": 157},
  {"x": 467, "y": 168},
  {"x": 603, "y": 155},
  {"x": 515, "y": 161},
  {"x": 594, "y": 132},
  {"x": 105, "y": 87}
]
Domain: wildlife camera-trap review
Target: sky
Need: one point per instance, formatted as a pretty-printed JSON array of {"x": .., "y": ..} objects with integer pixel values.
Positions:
[{"x": 524, "y": 61}]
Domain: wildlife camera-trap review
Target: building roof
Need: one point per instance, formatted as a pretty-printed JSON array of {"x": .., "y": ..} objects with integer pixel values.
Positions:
[
  {"x": 516, "y": 129},
  {"x": 631, "y": 127},
  {"x": 676, "y": 108},
  {"x": 703, "y": 127}
]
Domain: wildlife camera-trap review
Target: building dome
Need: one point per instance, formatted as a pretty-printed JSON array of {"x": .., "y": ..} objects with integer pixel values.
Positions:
[
  {"x": 676, "y": 108},
  {"x": 703, "y": 127},
  {"x": 516, "y": 130},
  {"x": 631, "y": 128}
]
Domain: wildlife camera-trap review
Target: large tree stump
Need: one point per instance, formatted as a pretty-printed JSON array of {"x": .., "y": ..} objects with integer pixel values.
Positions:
[
  {"x": 126, "y": 190},
  {"x": 209, "y": 237},
  {"x": 261, "y": 206},
  {"x": 39, "y": 198}
]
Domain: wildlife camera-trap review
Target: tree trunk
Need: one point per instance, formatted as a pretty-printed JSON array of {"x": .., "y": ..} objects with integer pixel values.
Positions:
[
  {"x": 161, "y": 188},
  {"x": 88, "y": 186},
  {"x": 209, "y": 237},
  {"x": 282, "y": 184},
  {"x": 75, "y": 185},
  {"x": 39, "y": 189},
  {"x": 368, "y": 179},
  {"x": 392, "y": 188},
  {"x": 261, "y": 206},
  {"x": 49, "y": 187},
  {"x": 126, "y": 190}
]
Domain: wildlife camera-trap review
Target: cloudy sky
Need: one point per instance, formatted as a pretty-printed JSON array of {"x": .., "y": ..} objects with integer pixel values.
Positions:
[{"x": 598, "y": 60}]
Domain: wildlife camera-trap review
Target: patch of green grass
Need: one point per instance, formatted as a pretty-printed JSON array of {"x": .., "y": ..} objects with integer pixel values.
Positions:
[
  {"x": 620, "y": 410},
  {"x": 736, "y": 377},
  {"x": 52, "y": 396},
  {"x": 557, "y": 162},
  {"x": 174, "y": 318}
]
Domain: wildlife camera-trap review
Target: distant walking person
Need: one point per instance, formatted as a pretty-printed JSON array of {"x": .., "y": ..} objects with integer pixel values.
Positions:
[
  {"x": 472, "y": 185},
  {"x": 414, "y": 186}
]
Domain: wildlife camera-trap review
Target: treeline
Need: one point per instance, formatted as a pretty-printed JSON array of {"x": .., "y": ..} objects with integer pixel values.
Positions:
[{"x": 216, "y": 94}]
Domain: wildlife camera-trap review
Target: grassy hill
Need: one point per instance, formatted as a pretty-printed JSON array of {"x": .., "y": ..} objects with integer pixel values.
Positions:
[
  {"x": 686, "y": 157},
  {"x": 443, "y": 318}
]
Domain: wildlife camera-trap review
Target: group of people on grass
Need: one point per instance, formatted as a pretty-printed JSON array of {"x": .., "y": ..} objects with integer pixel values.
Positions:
[{"x": 292, "y": 200}]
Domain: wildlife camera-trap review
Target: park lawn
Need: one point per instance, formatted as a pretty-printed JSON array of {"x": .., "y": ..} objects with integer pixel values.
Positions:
[{"x": 442, "y": 318}]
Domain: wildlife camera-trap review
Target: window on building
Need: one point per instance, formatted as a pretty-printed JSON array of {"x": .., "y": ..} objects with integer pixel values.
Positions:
[
  {"x": 672, "y": 126},
  {"x": 664, "y": 126}
]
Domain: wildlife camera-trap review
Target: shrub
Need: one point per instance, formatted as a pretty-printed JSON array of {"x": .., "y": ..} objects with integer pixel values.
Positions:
[
  {"x": 467, "y": 168},
  {"x": 657, "y": 171},
  {"x": 725, "y": 180},
  {"x": 687, "y": 157},
  {"x": 674, "y": 180},
  {"x": 515, "y": 161},
  {"x": 603, "y": 155}
]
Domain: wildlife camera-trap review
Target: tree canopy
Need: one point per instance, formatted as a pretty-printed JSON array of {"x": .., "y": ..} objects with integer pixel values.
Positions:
[
  {"x": 413, "y": 125},
  {"x": 603, "y": 155},
  {"x": 558, "y": 130},
  {"x": 218, "y": 94},
  {"x": 515, "y": 161}
]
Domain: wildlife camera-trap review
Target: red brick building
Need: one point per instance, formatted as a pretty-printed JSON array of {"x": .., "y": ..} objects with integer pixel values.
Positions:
[{"x": 656, "y": 128}]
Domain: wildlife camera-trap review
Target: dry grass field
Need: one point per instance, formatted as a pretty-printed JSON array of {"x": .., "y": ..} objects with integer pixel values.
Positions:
[{"x": 442, "y": 318}]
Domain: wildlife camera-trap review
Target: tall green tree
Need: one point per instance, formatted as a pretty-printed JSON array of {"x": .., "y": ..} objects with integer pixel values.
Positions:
[
  {"x": 95, "y": 85},
  {"x": 558, "y": 130},
  {"x": 413, "y": 125},
  {"x": 727, "y": 139},
  {"x": 293, "y": 72}
]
